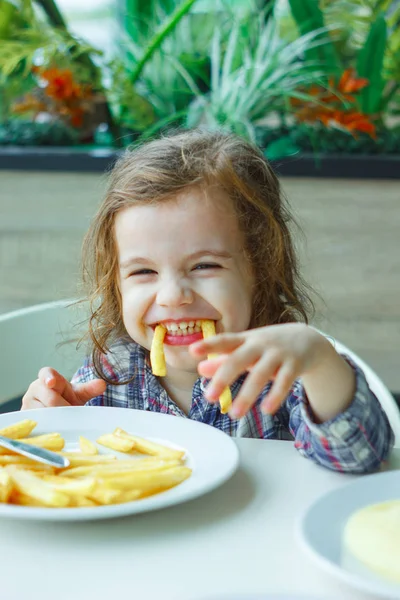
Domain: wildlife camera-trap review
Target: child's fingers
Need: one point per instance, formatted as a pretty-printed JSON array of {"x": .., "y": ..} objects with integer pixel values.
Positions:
[
  {"x": 280, "y": 389},
  {"x": 207, "y": 368},
  {"x": 262, "y": 372},
  {"x": 33, "y": 404},
  {"x": 223, "y": 342},
  {"x": 86, "y": 391},
  {"x": 52, "y": 379},
  {"x": 40, "y": 392},
  {"x": 239, "y": 362}
]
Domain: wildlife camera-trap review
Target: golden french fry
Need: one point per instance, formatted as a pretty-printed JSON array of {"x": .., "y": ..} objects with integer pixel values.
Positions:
[
  {"x": 16, "y": 459},
  {"x": 130, "y": 496},
  {"x": 114, "y": 442},
  {"x": 24, "y": 500},
  {"x": 157, "y": 357},
  {"x": 148, "y": 447},
  {"x": 38, "y": 468},
  {"x": 225, "y": 400},
  {"x": 104, "y": 495},
  {"x": 49, "y": 441},
  {"x": 121, "y": 466},
  {"x": 208, "y": 328},
  {"x": 6, "y": 486},
  {"x": 145, "y": 481},
  {"x": 73, "y": 487},
  {"x": 78, "y": 460},
  {"x": 87, "y": 447},
  {"x": 18, "y": 430},
  {"x": 29, "y": 484},
  {"x": 82, "y": 501}
]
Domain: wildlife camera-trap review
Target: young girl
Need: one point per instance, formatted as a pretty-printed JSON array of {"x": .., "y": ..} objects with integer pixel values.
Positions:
[{"x": 193, "y": 228}]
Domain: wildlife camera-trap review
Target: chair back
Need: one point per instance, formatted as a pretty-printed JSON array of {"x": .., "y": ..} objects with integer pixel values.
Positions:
[
  {"x": 39, "y": 336},
  {"x": 380, "y": 390}
]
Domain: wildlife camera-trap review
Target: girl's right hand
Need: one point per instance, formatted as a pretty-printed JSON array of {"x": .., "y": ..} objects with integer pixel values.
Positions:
[{"x": 52, "y": 389}]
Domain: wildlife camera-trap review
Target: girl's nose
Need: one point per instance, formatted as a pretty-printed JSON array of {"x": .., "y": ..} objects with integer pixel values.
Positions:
[{"x": 174, "y": 293}]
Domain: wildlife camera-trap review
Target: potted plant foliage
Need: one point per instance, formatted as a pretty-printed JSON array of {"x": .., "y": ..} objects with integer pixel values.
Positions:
[{"x": 315, "y": 83}]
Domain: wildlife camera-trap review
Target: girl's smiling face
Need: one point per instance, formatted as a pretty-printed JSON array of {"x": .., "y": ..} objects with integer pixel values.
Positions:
[{"x": 182, "y": 260}]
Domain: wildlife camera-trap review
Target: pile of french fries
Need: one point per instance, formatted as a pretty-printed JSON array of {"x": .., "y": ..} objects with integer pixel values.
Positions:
[{"x": 92, "y": 479}]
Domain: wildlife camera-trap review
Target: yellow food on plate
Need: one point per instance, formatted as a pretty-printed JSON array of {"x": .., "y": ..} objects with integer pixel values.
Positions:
[
  {"x": 157, "y": 357},
  {"x": 18, "y": 430},
  {"x": 147, "y": 447},
  {"x": 120, "y": 444},
  {"x": 86, "y": 446},
  {"x": 92, "y": 479},
  {"x": 372, "y": 536},
  {"x": 225, "y": 400}
]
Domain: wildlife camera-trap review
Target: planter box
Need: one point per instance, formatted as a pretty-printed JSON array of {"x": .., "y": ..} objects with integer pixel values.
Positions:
[{"x": 100, "y": 159}]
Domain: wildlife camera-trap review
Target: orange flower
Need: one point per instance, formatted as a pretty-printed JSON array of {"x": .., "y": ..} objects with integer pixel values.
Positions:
[
  {"x": 327, "y": 107},
  {"x": 60, "y": 95},
  {"x": 350, "y": 83}
]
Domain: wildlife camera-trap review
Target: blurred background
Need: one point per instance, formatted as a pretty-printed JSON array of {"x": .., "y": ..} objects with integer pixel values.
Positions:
[{"x": 314, "y": 83}]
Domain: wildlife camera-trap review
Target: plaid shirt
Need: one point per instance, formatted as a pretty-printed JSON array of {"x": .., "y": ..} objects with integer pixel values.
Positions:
[{"x": 356, "y": 441}]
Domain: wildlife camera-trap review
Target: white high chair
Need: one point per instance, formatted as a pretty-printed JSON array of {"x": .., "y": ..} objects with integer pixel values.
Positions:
[{"x": 34, "y": 337}]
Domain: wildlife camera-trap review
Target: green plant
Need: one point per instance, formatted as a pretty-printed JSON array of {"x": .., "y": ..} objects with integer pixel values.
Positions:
[
  {"x": 370, "y": 52},
  {"x": 359, "y": 25},
  {"x": 154, "y": 62},
  {"x": 309, "y": 17},
  {"x": 254, "y": 77},
  {"x": 370, "y": 65}
]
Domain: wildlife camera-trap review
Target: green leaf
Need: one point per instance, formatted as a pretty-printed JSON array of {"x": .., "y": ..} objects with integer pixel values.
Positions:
[
  {"x": 309, "y": 18},
  {"x": 281, "y": 148},
  {"x": 370, "y": 66}
]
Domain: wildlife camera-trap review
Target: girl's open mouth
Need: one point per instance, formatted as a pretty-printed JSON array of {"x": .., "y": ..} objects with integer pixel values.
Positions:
[{"x": 183, "y": 333}]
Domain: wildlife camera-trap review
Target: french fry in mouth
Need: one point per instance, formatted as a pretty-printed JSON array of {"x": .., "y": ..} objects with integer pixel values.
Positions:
[
  {"x": 157, "y": 358},
  {"x": 225, "y": 400}
]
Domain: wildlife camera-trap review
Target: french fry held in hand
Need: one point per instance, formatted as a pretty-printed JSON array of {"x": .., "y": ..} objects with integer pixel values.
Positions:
[
  {"x": 157, "y": 358},
  {"x": 91, "y": 479},
  {"x": 225, "y": 400}
]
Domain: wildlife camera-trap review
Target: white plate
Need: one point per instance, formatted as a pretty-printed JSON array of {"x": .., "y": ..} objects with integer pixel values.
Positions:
[
  {"x": 211, "y": 454},
  {"x": 320, "y": 530}
]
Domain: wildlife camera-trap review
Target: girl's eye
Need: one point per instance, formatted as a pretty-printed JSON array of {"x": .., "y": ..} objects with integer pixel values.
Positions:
[
  {"x": 142, "y": 272},
  {"x": 203, "y": 266}
]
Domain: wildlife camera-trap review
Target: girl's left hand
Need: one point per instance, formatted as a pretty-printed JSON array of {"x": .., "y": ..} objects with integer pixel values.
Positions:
[{"x": 278, "y": 353}]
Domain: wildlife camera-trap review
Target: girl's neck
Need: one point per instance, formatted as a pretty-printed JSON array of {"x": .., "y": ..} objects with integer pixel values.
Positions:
[{"x": 179, "y": 386}]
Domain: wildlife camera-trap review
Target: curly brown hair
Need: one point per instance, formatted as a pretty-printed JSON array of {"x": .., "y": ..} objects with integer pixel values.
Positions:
[{"x": 159, "y": 170}]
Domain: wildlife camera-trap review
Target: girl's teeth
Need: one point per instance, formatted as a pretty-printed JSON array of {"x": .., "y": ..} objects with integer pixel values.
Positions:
[{"x": 184, "y": 327}]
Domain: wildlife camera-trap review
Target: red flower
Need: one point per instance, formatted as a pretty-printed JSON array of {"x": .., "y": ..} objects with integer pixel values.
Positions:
[{"x": 328, "y": 105}]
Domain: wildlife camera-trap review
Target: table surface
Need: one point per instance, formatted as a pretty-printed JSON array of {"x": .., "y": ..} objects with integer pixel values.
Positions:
[{"x": 238, "y": 540}]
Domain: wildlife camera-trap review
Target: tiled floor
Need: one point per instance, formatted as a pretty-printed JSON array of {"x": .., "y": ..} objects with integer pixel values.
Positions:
[{"x": 352, "y": 255}]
